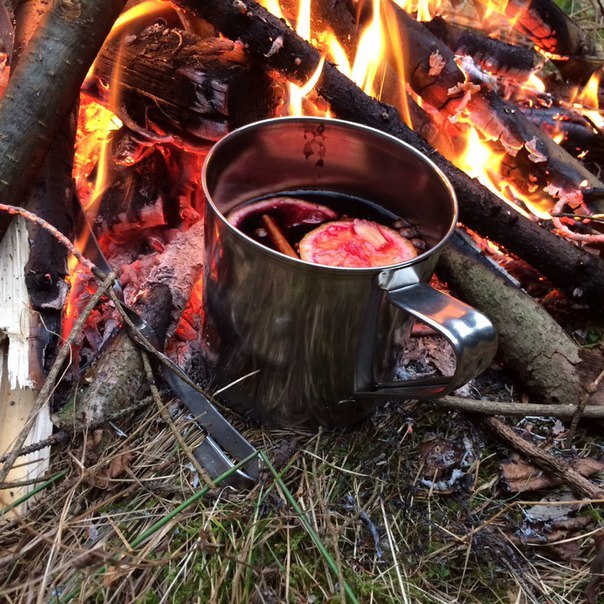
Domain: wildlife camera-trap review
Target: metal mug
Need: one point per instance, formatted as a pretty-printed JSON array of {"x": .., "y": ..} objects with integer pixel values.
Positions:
[{"x": 299, "y": 344}]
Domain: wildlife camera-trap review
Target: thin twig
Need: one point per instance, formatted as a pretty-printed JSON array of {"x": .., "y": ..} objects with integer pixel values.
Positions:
[
  {"x": 546, "y": 461},
  {"x": 54, "y": 373},
  {"x": 580, "y": 412},
  {"x": 60, "y": 437},
  {"x": 140, "y": 339},
  {"x": 62, "y": 239},
  {"x": 515, "y": 409},
  {"x": 165, "y": 415}
]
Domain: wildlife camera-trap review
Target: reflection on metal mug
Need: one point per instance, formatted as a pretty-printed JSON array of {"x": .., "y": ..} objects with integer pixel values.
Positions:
[{"x": 320, "y": 345}]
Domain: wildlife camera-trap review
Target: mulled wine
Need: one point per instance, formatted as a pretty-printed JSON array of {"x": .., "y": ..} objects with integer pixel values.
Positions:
[{"x": 328, "y": 228}]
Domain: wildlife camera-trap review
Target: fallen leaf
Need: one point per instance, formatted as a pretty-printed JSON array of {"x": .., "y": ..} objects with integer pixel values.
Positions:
[
  {"x": 520, "y": 477},
  {"x": 119, "y": 464}
]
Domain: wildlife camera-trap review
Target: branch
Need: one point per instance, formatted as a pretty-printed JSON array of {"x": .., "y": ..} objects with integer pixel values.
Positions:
[{"x": 43, "y": 88}]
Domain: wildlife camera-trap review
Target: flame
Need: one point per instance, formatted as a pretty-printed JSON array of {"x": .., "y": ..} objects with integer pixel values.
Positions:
[
  {"x": 587, "y": 102},
  {"x": 298, "y": 93},
  {"x": 481, "y": 162},
  {"x": 424, "y": 10}
]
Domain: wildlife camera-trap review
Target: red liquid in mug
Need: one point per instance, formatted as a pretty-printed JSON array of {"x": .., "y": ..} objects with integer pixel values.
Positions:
[{"x": 330, "y": 228}]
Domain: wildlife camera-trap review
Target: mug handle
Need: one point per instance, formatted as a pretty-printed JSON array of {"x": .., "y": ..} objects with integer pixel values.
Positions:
[{"x": 470, "y": 333}]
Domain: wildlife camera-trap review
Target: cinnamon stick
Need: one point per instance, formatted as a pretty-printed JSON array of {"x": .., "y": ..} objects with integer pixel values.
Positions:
[{"x": 277, "y": 237}]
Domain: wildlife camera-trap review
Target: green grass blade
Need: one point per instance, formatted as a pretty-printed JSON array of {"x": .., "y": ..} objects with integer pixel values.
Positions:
[
  {"x": 32, "y": 493},
  {"x": 309, "y": 529}
]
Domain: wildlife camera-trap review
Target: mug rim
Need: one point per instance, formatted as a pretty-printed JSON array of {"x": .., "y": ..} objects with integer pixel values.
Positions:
[{"x": 354, "y": 126}]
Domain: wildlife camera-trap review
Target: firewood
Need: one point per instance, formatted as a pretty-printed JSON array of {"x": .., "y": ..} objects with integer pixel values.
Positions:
[
  {"x": 533, "y": 157},
  {"x": 532, "y": 344},
  {"x": 173, "y": 82},
  {"x": 492, "y": 55},
  {"x": 118, "y": 378},
  {"x": 564, "y": 264},
  {"x": 42, "y": 267},
  {"x": 43, "y": 88},
  {"x": 574, "y": 51},
  {"x": 579, "y": 133}
]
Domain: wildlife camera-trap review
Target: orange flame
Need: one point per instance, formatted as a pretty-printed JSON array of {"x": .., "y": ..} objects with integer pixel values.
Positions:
[{"x": 480, "y": 161}]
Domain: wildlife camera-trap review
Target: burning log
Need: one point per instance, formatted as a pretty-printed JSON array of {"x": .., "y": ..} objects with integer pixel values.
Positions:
[
  {"x": 33, "y": 308},
  {"x": 534, "y": 160},
  {"x": 117, "y": 378},
  {"x": 570, "y": 47},
  {"x": 178, "y": 87},
  {"x": 564, "y": 264},
  {"x": 580, "y": 134},
  {"x": 492, "y": 55},
  {"x": 548, "y": 366},
  {"x": 44, "y": 87}
]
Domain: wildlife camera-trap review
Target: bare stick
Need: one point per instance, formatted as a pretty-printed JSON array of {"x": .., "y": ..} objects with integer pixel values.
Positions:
[
  {"x": 581, "y": 411},
  {"x": 516, "y": 409},
  {"x": 62, "y": 239},
  {"x": 54, "y": 373},
  {"x": 277, "y": 237},
  {"x": 165, "y": 415},
  {"x": 546, "y": 461}
]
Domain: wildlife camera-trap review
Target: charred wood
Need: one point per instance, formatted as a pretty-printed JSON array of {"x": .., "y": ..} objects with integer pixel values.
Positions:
[
  {"x": 566, "y": 265},
  {"x": 580, "y": 134},
  {"x": 534, "y": 159},
  {"x": 177, "y": 86},
  {"x": 573, "y": 51},
  {"x": 44, "y": 87},
  {"x": 117, "y": 377},
  {"x": 492, "y": 55}
]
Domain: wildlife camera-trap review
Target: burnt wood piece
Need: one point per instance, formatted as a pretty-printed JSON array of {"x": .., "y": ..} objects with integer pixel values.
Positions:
[
  {"x": 554, "y": 32},
  {"x": 44, "y": 87},
  {"x": 117, "y": 378},
  {"x": 531, "y": 343},
  {"x": 564, "y": 264},
  {"x": 505, "y": 123},
  {"x": 492, "y": 55},
  {"x": 579, "y": 133},
  {"x": 136, "y": 199},
  {"x": 175, "y": 83},
  {"x": 533, "y": 157}
]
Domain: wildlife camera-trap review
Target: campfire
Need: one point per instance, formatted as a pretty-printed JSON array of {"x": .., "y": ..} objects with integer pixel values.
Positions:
[{"x": 102, "y": 205}]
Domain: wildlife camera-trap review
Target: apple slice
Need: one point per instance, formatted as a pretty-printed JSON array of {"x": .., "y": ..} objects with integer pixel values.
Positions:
[{"x": 355, "y": 244}]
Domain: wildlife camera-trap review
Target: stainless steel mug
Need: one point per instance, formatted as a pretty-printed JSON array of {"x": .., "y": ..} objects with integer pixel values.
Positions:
[{"x": 304, "y": 345}]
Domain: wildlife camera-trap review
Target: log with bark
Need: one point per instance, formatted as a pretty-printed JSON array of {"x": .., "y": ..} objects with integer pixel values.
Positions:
[
  {"x": 44, "y": 87},
  {"x": 33, "y": 313},
  {"x": 175, "y": 86},
  {"x": 532, "y": 344},
  {"x": 268, "y": 38},
  {"x": 572, "y": 49}
]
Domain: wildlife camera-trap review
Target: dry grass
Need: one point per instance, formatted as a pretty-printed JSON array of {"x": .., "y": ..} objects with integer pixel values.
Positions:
[
  {"x": 129, "y": 519},
  {"x": 370, "y": 523}
]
